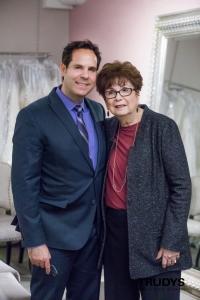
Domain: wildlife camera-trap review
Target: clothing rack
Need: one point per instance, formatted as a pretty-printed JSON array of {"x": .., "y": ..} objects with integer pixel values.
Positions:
[
  {"x": 178, "y": 86},
  {"x": 35, "y": 54}
]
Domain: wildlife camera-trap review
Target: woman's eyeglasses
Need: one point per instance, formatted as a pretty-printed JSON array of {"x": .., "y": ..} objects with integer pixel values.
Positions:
[{"x": 125, "y": 91}]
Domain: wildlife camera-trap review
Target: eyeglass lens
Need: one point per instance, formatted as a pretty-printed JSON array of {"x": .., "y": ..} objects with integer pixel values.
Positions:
[{"x": 125, "y": 91}]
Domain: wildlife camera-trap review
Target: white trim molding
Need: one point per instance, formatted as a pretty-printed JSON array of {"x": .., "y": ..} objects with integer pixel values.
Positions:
[
  {"x": 184, "y": 24},
  {"x": 191, "y": 282},
  {"x": 62, "y": 4},
  {"x": 169, "y": 26}
]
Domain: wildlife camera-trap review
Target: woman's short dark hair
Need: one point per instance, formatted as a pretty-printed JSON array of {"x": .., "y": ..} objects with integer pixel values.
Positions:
[
  {"x": 75, "y": 45},
  {"x": 118, "y": 72}
]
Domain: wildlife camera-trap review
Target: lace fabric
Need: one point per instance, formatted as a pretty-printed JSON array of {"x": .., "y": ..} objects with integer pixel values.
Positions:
[
  {"x": 183, "y": 106},
  {"x": 22, "y": 81}
]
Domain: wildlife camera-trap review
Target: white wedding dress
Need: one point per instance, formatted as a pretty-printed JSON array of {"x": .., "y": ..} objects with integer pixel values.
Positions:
[
  {"x": 22, "y": 81},
  {"x": 183, "y": 106}
]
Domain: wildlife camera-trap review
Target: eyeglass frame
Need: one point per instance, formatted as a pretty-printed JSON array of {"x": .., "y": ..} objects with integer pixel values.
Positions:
[{"x": 116, "y": 92}]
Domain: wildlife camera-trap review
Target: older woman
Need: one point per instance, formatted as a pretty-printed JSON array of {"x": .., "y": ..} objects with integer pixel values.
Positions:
[{"x": 147, "y": 194}]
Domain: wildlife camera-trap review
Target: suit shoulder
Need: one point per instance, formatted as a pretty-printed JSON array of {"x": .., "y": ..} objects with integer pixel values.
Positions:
[
  {"x": 110, "y": 121},
  {"x": 110, "y": 125},
  {"x": 36, "y": 107},
  {"x": 97, "y": 106},
  {"x": 95, "y": 103}
]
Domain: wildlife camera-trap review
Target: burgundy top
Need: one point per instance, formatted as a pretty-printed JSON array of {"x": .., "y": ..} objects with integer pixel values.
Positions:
[{"x": 118, "y": 160}]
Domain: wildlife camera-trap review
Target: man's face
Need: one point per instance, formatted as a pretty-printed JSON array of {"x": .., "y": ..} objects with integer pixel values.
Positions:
[{"x": 80, "y": 75}]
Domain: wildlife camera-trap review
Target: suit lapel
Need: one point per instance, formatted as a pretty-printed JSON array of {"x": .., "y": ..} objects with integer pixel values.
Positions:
[
  {"x": 65, "y": 117},
  {"x": 99, "y": 130},
  {"x": 101, "y": 143},
  {"x": 111, "y": 126}
]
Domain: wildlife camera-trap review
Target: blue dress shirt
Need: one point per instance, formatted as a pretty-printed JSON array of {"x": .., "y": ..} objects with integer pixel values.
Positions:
[{"x": 89, "y": 123}]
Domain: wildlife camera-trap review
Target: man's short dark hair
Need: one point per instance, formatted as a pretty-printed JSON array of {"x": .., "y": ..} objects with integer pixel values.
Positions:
[{"x": 75, "y": 45}]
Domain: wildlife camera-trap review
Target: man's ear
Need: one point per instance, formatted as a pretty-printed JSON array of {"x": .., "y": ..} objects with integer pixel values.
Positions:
[{"x": 63, "y": 69}]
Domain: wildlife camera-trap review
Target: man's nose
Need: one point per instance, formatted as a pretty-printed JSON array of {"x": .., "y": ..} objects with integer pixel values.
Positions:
[{"x": 85, "y": 73}]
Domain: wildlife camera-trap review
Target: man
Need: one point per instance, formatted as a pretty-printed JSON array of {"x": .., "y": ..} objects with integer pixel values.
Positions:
[{"x": 57, "y": 173}]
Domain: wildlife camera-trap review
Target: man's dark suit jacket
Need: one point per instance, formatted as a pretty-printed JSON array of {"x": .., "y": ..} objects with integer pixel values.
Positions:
[{"x": 56, "y": 190}]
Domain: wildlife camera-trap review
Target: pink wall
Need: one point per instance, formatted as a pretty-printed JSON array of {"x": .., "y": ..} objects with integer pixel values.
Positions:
[
  {"x": 25, "y": 26},
  {"x": 123, "y": 29}
]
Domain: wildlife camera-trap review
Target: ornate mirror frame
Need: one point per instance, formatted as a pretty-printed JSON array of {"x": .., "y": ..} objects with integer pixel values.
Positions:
[
  {"x": 168, "y": 26},
  {"x": 181, "y": 24}
]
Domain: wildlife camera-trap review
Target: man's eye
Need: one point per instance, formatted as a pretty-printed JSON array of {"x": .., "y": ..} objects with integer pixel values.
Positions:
[{"x": 93, "y": 70}]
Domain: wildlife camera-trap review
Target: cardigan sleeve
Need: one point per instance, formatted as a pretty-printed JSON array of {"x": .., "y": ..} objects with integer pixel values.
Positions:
[{"x": 179, "y": 182}]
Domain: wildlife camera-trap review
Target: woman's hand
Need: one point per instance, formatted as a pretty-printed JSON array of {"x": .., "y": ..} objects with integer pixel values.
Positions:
[{"x": 168, "y": 257}]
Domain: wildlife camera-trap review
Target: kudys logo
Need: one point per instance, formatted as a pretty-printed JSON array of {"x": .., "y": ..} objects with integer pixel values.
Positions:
[{"x": 171, "y": 282}]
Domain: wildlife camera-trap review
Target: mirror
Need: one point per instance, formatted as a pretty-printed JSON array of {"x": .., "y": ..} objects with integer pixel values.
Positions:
[{"x": 175, "y": 91}]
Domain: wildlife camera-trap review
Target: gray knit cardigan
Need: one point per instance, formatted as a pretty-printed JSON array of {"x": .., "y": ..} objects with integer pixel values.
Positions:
[{"x": 158, "y": 194}]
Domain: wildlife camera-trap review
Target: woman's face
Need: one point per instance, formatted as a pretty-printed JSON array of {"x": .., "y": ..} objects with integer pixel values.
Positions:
[{"x": 122, "y": 104}]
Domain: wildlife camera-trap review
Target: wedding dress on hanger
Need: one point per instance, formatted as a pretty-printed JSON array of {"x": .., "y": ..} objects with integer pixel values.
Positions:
[
  {"x": 22, "y": 81},
  {"x": 38, "y": 78},
  {"x": 53, "y": 73},
  {"x": 181, "y": 107},
  {"x": 188, "y": 136},
  {"x": 192, "y": 137},
  {"x": 5, "y": 74},
  {"x": 12, "y": 110},
  {"x": 174, "y": 105}
]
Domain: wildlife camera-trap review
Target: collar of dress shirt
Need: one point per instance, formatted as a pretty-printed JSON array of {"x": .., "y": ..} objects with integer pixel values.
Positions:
[{"x": 68, "y": 102}]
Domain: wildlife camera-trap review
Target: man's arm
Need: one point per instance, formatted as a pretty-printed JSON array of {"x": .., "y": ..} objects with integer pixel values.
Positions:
[{"x": 26, "y": 177}]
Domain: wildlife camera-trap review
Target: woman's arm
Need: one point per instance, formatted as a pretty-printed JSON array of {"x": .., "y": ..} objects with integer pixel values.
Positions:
[{"x": 179, "y": 182}]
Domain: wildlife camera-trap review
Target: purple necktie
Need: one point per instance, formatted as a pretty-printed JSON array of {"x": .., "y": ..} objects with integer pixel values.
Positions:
[{"x": 80, "y": 122}]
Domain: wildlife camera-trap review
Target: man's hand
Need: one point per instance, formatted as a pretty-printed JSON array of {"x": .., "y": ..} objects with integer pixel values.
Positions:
[
  {"x": 168, "y": 257},
  {"x": 40, "y": 257}
]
